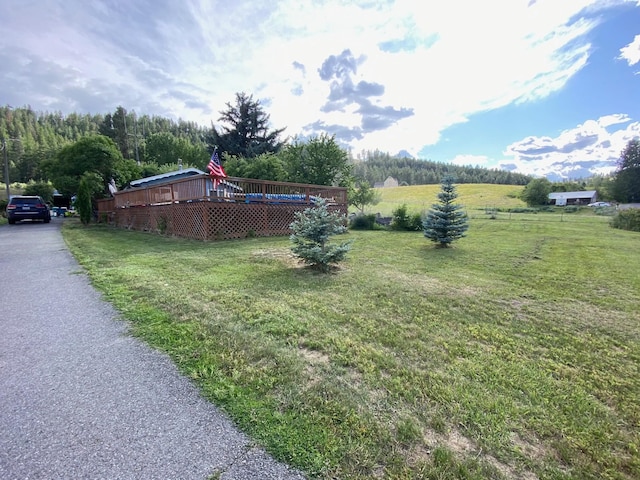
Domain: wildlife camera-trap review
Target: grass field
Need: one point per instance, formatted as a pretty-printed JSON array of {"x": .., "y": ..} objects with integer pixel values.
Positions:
[
  {"x": 419, "y": 198},
  {"x": 514, "y": 354}
]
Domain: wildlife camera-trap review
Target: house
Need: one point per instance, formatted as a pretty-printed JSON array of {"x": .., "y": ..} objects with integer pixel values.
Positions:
[
  {"x": 389, "y": 182},
  {"x": 561, "y": 199},
  {"x": 222, "y": 189},
  {"x": 165, "y": 177}
]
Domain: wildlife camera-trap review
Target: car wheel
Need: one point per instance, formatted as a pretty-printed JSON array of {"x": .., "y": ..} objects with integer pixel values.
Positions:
[
  {"x": 12, "y": 221},
  {"x": 47, "y": 220}
]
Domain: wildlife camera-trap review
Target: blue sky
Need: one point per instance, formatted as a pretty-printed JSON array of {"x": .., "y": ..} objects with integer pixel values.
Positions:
[{"x": 544, "y": 87}]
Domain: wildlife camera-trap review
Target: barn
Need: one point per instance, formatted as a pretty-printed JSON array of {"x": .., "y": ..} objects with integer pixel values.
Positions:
[{"x": 573, "y": 198}]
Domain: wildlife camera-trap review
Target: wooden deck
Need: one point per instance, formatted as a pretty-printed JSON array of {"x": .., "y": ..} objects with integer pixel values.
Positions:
[{"x": 237, "y": 208}]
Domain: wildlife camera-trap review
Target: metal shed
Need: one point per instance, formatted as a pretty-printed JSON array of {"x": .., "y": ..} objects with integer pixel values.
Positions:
[{"x": 573, "y": 198}]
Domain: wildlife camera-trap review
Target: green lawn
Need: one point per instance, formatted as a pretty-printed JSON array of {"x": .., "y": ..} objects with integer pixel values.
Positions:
[{"x": 514, "y": 354}]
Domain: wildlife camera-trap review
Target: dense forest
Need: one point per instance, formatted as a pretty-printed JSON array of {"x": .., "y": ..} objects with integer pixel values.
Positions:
[{"x": 34, "y": 137}]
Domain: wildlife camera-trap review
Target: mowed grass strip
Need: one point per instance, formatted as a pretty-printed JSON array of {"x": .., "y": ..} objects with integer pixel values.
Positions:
[{"x": 512, "y": 355}]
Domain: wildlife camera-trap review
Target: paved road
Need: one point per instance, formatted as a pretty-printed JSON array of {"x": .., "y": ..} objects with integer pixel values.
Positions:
[{"x": 79, "y": 398}]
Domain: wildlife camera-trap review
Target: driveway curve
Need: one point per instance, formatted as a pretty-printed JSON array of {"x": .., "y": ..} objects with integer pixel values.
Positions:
[{"x": 80, "y": 398}]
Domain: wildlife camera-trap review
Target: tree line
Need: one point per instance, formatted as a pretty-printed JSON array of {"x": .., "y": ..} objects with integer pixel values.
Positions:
[
  {"x": 246, "y": 144},
  {"x": 376, "y": 166}
]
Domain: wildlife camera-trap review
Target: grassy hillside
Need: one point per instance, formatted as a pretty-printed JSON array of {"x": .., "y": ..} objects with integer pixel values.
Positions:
[
  {"x": 512, "y": 355},
  {"x": 472, "y": 196}
]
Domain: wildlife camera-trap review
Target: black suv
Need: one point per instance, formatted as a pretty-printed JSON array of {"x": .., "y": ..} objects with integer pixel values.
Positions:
[{"x": 22, "y": 207}]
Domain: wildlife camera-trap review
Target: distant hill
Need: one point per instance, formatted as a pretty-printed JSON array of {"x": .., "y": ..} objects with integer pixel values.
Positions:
[
  {"x": 419, "y": 198},
  {"x": 377, "y": 166}
]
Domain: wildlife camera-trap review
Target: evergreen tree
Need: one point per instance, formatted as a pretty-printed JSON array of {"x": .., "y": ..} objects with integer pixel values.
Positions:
[
  {"x": 246, "y": 133},
  {"x": 311, "y": 231},
  {"x": 89, "y": 188},
  {"x": 83, "y": 201},
  {"x": 446, "y": 221}
]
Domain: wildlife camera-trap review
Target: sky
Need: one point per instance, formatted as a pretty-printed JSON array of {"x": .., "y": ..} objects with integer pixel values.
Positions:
[{"x": 542, "y": 87}]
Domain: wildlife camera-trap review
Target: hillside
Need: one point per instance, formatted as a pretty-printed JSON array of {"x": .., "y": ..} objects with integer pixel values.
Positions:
[
  {"x": 377, "y": 166},
  {"x": 35, "y": 137},
  {"x": 473, "y": 196}
]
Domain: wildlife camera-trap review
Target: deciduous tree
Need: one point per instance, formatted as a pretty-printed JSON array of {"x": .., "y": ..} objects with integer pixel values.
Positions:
[
  {"x": 42, "y": 189},
  {"x": 267, "y": 166},
  {"x": 94, "y": 153},
  {"x": 318, "y": 161},
  {"x": 164, "y": 147},
  {"x": 363, "y": 195},
  {"x": 626, "y": 187},
  {"x": 536, "y": 192}
]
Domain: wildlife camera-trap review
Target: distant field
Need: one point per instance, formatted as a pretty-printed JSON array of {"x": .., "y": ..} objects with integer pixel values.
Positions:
[{"x": 472, "y": 196}]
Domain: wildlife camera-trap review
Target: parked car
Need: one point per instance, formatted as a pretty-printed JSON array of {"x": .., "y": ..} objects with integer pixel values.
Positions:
[
  {"x": 23, "y": 207},
  {"x": 60, "y": 211},
  {"x": 599, "y": 204}
]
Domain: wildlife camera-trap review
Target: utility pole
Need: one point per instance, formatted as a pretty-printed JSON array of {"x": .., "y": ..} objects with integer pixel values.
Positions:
[
  {"x": 6, "y": 164},
  {"x": 6, "y": 167},
  {"x": 134, "y": 134}
]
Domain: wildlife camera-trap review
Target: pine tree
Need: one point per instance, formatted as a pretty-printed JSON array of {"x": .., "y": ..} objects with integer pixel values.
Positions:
[
  {"x": 446, "y": 221},
  {"x": 311, "y": 231},
  {"x": 246, "y": 133}
]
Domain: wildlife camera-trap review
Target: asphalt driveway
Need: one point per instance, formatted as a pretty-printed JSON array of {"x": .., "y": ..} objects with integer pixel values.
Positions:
[{"x": 80, "y": 398}]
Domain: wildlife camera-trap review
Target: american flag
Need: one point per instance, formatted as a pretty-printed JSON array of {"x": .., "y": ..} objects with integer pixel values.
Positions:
[{"x": 215, "y": 169}]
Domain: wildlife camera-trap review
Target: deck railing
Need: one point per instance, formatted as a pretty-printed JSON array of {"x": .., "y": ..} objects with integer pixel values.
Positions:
[
  {"x": 235, "y": 208},
  {"x": 200, "y": 187}
]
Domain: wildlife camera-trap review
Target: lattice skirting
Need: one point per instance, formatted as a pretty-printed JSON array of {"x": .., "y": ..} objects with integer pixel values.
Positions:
[{"x": 211, "y": 220}]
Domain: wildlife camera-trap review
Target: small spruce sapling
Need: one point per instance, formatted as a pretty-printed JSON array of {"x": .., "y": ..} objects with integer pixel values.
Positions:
[
  {"x": 446, "y": 221},
  {"x": 311, "y": 231}
]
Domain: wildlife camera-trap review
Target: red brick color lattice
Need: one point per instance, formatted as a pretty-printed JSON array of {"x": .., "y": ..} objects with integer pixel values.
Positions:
[{"x": 214, "y": 217}]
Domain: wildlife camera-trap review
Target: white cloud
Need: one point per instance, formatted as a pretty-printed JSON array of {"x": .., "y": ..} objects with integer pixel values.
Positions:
[
  {"x": 588, "y": 148},
  {"x": 444, "y": 60},
  {"x": 631, "y": 52}
]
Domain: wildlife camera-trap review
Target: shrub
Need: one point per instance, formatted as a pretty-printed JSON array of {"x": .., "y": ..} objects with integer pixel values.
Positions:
[
  {"x": 401, "y": 219},
  {"x": 311, "y": 231},
  {"x": 415, "y": 222},
  {"x": 523, "y": 210},
  {"x": 363, "y": 222},
  {"x": 627, "y": 220},
  {"x": 162, "y": 223}
]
